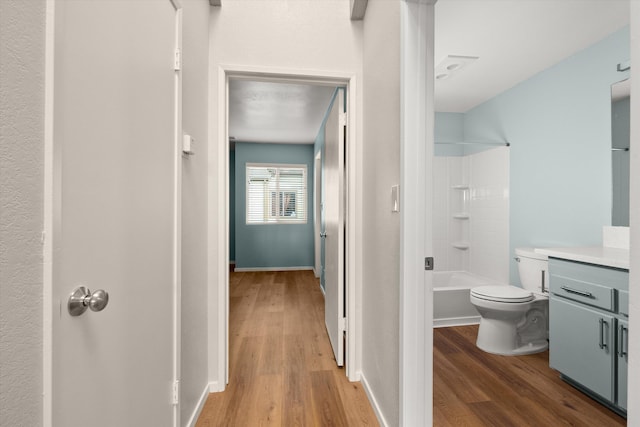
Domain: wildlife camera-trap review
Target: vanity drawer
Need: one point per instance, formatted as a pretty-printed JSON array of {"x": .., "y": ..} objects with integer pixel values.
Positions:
[
  {"x": 586, "y": 293},
  {"x": 586, "y": 283}
]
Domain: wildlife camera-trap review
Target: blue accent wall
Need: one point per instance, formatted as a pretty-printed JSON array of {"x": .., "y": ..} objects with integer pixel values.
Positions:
[
  {"x": 272, "y": 245},
  {"x": 559, "y": 126},
  {"x": 449, "y": 127}
]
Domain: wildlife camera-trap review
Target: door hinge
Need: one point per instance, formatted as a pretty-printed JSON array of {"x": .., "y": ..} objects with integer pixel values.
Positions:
[
  {"x": 342, "y": 324},
  {"x": 342, "y": 119},
  {"x": 175, "y": 399},
  {"x": 428, "y": 263},
  {"x": 177, "y": 60}
]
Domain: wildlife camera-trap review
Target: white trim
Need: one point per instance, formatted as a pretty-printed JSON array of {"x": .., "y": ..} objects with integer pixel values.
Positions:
[
  {"x": 215, "y": 387},
  {"x": 193, "y": 419},
  {"x": 177, "y": 215},
  {"x": 47, "y": 250},
  {"x": 248, "y": 269},
  {"x": 372, "y": 400},
  {"x": 416, "y": 306},
  {"x": 633, "y": 415},
  {"x": 218, "y": 235}
]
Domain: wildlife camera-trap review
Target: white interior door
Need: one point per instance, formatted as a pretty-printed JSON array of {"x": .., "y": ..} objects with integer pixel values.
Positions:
[
  {"x": 114, "y": 148},
  {"x": 317, "y": 213},
  {"x": 334, "y": 311}
]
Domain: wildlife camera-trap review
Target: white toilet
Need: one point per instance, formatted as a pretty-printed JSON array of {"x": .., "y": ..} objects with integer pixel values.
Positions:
[{"x": 513, "y": 320}]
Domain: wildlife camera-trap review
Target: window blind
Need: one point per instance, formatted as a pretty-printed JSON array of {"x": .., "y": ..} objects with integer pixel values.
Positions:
[{"x": 276, "y": 193}]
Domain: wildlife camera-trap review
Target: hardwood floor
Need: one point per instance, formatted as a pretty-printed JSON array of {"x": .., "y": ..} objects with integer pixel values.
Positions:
[
  {"x": 282, "y": 369},
  {"x": 474, "y": 388}
]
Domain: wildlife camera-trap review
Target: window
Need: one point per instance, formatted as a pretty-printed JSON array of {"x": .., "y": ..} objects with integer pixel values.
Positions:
[{"x": 276, "y": 194}]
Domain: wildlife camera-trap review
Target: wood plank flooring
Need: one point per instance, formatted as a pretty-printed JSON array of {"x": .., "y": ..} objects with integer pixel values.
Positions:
[
  {"x": 474, "y": 388},
  {"x": 282, "y": 369}
]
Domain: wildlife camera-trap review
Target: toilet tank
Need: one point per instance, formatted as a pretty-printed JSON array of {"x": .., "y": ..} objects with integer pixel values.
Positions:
[{"x": 533, "y": 270}]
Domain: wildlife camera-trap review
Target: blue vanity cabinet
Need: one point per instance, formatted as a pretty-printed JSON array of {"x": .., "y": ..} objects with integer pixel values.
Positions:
[
  {"x": 581, "y": 345},
  {"x": 588, "y": 328},
  {"x": 623, "y": 362}
]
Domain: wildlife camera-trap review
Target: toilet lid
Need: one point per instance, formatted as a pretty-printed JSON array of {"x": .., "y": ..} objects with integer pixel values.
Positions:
[{"x": 502, "y": 293}]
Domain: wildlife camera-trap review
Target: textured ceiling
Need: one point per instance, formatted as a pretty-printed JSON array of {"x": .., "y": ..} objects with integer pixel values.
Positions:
[{"x": 276, "y": 112}]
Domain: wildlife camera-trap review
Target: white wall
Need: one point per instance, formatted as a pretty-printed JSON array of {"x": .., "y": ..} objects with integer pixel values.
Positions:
[
  {"x": 195, "y": 51},
  {"x": 381, "y": 229},
  {"x": 22, "y": 29},
  {"x": 314, "y": 37}
]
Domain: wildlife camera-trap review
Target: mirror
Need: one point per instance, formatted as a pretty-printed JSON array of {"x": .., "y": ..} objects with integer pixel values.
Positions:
[{"x": 620, "y": 138}]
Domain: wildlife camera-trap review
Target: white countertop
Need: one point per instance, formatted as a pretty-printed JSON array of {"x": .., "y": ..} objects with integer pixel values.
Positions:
[{"x": 600, "y": 255}]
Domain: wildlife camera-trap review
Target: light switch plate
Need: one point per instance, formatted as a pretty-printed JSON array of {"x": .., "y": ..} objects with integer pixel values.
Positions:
[{"x": 395, "y": 198}]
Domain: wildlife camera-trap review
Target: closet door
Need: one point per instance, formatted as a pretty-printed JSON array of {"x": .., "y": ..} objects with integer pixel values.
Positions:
[{"x": 114, "y": 159}]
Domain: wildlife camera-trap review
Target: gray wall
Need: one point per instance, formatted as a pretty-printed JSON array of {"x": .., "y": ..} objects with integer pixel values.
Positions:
[
  {"x": 22, "y": 35},
  {"x": 381, "y": 229},
  {"x": 559, "y": 126},
  {"x": 195, "y": 51}
]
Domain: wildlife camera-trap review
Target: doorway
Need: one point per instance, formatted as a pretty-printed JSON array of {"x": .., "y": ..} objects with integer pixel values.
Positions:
[{"x": 219, "y": 232}]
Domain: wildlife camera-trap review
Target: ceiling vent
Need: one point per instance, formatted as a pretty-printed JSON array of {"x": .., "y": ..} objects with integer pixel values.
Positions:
[{"x": 452, "y": 65}]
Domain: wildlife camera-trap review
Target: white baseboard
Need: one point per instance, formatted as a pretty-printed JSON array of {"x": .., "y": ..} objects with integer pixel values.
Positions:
[
  {"x": 247, "y": 269},
  {"x": 196, "y": 413},
  {"x": 373, "y": 401},
  {"x": 214, "y": 387},
  {"x": 456, "y": 321}
]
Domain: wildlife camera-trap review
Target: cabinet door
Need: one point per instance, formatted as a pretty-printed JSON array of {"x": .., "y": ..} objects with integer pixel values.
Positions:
[
  {"x": 623, "y": 362},
  {"x": 582, "y": 346}
]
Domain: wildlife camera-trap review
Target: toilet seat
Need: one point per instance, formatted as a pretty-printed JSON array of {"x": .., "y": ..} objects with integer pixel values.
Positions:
[{"x": 506, "y": 294}]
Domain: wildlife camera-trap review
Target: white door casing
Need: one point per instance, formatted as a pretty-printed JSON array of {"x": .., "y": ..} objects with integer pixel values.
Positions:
[
  {"x": 218, "y": 234},
  {"x": 416, "y": 230},
  {"x": 114, "y": 116},
  {"x": 334, "y": 179}
]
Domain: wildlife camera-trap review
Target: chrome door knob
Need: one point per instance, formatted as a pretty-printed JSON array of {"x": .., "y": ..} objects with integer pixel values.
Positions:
[{"x": 81, "y": 298}]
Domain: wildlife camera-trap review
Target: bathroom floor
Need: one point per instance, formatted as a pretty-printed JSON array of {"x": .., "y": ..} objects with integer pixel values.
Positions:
[{"x": 474, "y": 388}]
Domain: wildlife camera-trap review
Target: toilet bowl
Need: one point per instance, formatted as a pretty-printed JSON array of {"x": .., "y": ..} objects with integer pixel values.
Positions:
[{"x": 514, "y": 320}]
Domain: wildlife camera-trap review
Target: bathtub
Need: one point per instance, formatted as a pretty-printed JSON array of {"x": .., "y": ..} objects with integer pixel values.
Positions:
[{"x": 451, "y": 305}]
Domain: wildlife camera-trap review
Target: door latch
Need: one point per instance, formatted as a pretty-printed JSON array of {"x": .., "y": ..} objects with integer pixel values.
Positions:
[{"x": 428, "y": 263}]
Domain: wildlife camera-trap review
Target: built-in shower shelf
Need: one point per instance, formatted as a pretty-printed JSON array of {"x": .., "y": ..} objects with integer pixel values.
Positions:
[
  {"x": 461, "y": 215},
  {"x": 460, "y": 187},
  {"x": 461, "y": 245}
]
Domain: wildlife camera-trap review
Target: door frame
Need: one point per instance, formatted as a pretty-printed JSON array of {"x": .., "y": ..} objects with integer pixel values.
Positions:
[
  {"x": 416, "y": 230},
  {"x": 218, "y": 230},
  {"x": 52, "y": 196}
]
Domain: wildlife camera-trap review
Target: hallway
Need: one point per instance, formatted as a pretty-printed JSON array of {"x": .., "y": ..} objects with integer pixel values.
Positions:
[{"x": 282, "y": 370}]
